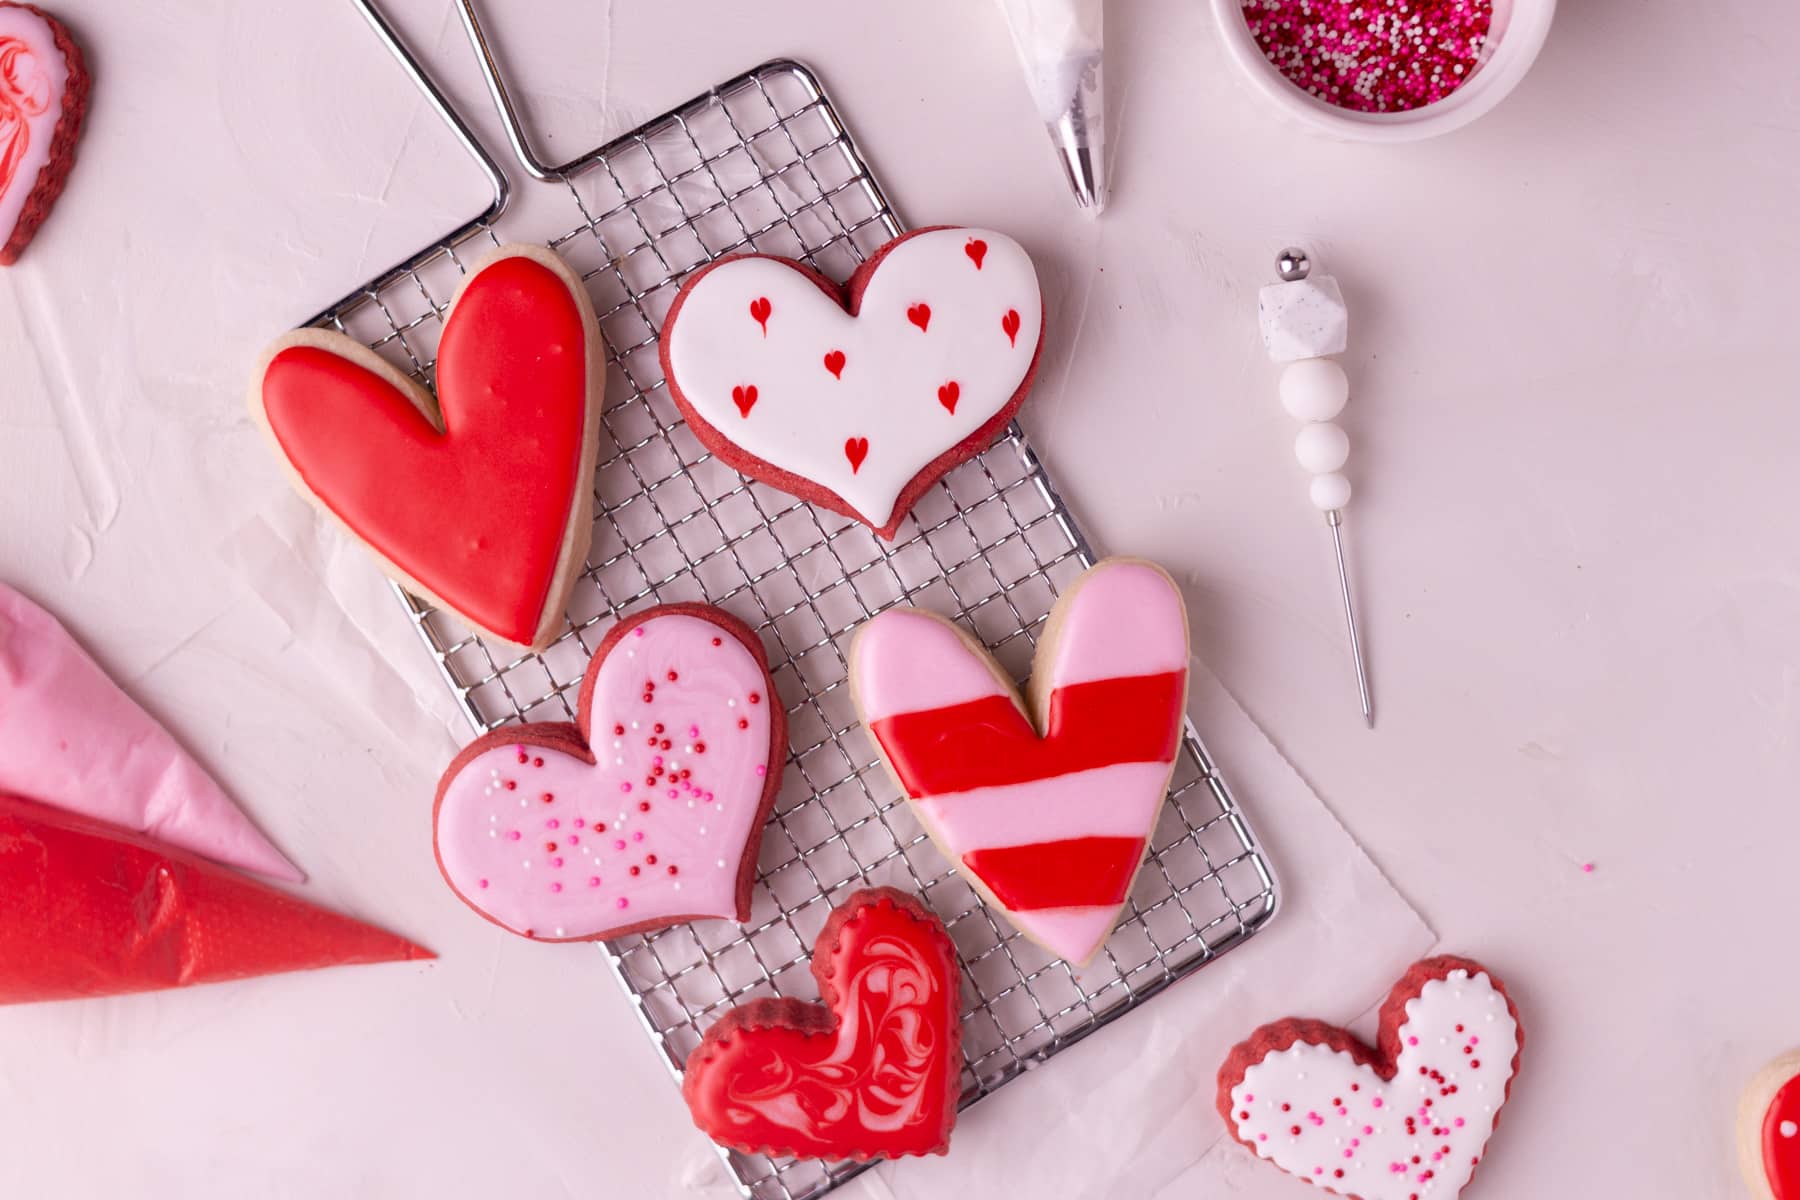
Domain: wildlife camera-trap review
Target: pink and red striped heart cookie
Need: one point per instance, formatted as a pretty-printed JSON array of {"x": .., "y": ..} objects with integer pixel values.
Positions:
[{"x": 1047, "y": 808}]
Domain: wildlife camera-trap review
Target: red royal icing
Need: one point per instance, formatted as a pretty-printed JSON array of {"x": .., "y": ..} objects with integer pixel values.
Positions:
[
  {"x": 478, "y": 513},
  {"x": 1090, "y": 870},
  {"x": 948, "y": 394},
  {"x": 1781, "y": 1142},
  {"x": 759, "y": 312},
  {"x": 834, "y": 362},
  {"x": 24, "y": 96},
  {"x": 1009, "y": 324},
  {"x": 873, "y": 1071},
  {"x": 990, "y": 743},
  {"x": 744, "y": 397},
  {"x": 93, "y": 909},
  {"x": 919, "y": 314},
  {"x": 976, "y": 249},
  {"x": 856, "y": 449}
]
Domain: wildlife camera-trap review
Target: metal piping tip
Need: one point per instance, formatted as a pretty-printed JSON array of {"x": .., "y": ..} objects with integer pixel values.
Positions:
[
  {"x": 1080, "y": 138},
  {"x": 1085, "y": 170}
]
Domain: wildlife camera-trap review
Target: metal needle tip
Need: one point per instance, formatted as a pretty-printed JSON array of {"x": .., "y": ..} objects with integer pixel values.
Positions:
[{"x": 1335, "y": 519}]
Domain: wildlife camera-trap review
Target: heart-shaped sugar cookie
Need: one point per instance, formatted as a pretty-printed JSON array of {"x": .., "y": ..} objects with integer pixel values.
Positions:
[
  {"x": 647, "y": 811},
  {"x": 1048, "y": 820},
  {"x": 482, "y": 498},
  {"x": 43, "y": 100},
  {"x": 859, "y": 398},
  {"x": 1408, "y": 1120},
  {"x": 872, "y": 1071},
  {"x": 1769, "y": 1130}
]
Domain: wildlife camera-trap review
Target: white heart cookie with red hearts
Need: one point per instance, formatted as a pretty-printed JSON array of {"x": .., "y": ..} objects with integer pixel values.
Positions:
[
  {"x": 1407, "y": 1120},
  {"x": 857, "y": 398},
  {"x": 1045, "y": 808}
]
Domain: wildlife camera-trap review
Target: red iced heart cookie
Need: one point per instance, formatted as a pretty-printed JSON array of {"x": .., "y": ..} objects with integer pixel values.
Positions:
[
  {"x": 941, "y": 304},
  {"x": 1769, "y": 1130},
  {"x": 482, "y": 500},
  {"x": 43, "y": 99},
  {"x": 647, "y": 811},
  {"x": 871, "y": 1072},
  {"x": 1407, "y": 1120},
  {"x": 1049, "y": 821}
]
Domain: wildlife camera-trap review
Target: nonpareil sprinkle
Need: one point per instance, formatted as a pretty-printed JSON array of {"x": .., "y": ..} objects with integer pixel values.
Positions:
[{"x": 1372, "y": 55}]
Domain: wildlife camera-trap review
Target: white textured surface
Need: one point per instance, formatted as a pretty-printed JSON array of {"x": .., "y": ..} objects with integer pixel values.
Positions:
[{"x": 1584, "y": 625}]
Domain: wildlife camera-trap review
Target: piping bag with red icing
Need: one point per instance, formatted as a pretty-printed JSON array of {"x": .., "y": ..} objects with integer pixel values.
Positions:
[
  {"x": 93, "y": 910},
  {"x": 70, "y": 738}
]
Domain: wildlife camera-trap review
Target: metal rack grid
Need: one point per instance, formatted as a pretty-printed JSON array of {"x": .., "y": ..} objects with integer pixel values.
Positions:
[{"x": 763, "y": 162}]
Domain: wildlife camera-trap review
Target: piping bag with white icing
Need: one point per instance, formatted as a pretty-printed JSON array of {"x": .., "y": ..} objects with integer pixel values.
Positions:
[{"x": 1059, "y": 44}]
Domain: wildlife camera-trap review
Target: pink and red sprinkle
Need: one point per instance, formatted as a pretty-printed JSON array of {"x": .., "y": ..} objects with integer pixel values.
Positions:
[{"x": 1372, "y": 55}]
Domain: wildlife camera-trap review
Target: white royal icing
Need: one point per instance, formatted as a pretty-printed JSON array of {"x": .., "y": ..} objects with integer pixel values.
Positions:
[
  {"x": 1354, "y": 1136},
  {"x": 887, "y": 388}
]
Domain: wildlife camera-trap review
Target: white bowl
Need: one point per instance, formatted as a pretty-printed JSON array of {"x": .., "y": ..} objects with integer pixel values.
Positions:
[{"x": 1518, "y": 31}]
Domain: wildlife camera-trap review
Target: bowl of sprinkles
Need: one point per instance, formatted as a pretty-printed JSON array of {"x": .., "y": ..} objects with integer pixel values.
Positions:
[{"x": 1384, "y": 70}]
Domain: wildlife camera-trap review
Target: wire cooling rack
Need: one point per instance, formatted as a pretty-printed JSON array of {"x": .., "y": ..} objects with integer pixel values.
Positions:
[{"x": 763, "y": 162}]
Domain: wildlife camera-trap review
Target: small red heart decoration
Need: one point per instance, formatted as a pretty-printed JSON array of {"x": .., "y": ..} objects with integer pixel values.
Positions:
[
  {"x": 948, "y": 395},
  {"x": 871, "y": 1071},
  {"x": 919, "y": 314},
  {"x": 976, "y": 250},
  {"x": 1010, "y": 325},
  {"x": 745, "y": 398},
  {"x": 760, "y": 308},
  {"x": 481, "y": 498},
  {"x": 834, "y": 362},
  {"x": 856, "y": 449}
]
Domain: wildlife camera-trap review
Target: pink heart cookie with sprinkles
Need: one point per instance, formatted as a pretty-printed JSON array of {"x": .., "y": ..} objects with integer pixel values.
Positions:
[
  {"x": 1407, "y": 1120},
  {"x": 646, "y": 811}
]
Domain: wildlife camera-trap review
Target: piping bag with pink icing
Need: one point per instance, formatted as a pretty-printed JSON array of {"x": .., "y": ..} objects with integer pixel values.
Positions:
[{"x": 71, "y": 739}]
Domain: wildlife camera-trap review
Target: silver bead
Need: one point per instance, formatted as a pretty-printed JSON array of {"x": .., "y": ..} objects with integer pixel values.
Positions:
[{"x": 1293, "y": 265}]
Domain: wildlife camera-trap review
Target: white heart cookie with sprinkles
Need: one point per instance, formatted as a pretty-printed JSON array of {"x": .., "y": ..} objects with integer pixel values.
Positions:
[{"x": 1408, "y": 1119}]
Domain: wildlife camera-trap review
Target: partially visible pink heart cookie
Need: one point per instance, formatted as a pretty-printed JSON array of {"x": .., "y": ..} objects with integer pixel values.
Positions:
[
  {"x": 43, "y": 99},
  {"x": 1408, "y": 1120},
  {"x": 857, "y": 398},
  {"x": 647, "y": 811}
]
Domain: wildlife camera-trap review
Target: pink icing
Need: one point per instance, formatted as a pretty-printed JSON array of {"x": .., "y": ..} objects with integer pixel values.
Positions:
[
  {"x": 696, "y": 819},
  {"x": 1047, "y": 809},
  {"x": 1127, "y": 619},
  {"x": 70, "y": 738},
  {"x": 906, "y": 661}
]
